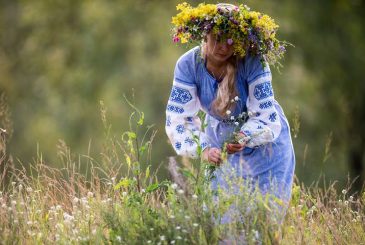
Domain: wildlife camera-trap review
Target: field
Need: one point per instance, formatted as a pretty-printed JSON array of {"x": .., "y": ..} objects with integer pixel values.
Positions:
[{"x": 118, "y": 200}]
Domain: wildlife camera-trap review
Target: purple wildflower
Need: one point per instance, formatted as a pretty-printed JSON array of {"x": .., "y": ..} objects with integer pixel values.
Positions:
[{"x": 229, "y": 41}]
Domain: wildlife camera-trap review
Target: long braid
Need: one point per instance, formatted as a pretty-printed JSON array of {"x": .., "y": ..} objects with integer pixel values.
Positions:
[{"x": 226, "y": 90}]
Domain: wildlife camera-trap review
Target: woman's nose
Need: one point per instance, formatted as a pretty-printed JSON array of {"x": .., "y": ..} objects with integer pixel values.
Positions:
[{"x": 224, "y": 46}]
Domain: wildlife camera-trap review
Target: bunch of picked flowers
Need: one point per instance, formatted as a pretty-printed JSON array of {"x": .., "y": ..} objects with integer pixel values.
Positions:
[{"x": 248, "y": 31}]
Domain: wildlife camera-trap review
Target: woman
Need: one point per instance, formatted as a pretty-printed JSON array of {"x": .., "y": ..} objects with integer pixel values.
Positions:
[{"x": 228, "y": 77}]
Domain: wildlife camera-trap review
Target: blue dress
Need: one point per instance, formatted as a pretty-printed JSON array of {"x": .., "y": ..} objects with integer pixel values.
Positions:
[{"x": 268, "y": 158}]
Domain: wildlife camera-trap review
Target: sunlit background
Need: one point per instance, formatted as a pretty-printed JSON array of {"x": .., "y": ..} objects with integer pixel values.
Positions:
[{"x": 59, "y": 59}]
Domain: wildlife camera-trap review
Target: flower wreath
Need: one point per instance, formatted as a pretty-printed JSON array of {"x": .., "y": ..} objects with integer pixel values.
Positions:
[{"x": 248, "y": 31}]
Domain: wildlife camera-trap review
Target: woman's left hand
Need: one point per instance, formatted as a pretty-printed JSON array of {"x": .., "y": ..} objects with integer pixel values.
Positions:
[{"x": 233, "y": 148}]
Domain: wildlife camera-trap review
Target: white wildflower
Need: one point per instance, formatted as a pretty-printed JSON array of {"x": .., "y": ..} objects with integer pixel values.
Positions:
[
  {"x": 119, "y": 238},
  {"x": 68, "y": 218},
  {"x": 178, "y": 237},
  {"x": 90, "y": 194},
  {"x": 195, "y": 224},
  {"x": 236, "y": 98},
  {"x": 181, "y": 191},
  {"x": 20, "y": 187},
  {"x": 84, "y": 201},
  {"x": 351, "y": 198},
  {"x": 13, "y": 183},
  {"x": 194, "y": 196},
  {"x": 75, "y": 200},
  {"x": 162, "y": 238},
  {"x": 29, "y": 189},
  {"x": 344, "y": 191},
  {"x": 236, "y": 123},
  {"x": 13, "y": 202},
  {"x": 346, "y": 202},
  {"x": 58, "y": 207},
  {"x": 151, "y": 229},
  {"x": 172, "y": 242},
  {"x": 149, "y": 241},
  {"x": 228, "y": 112},
  {"x": 232, "y": 117},
  {"x": 187, "y": 217},
  {"x": 178, "y": 228},
  {"x": 29, "y": 223},
  {"x": 174, "y": 186},
  {"x": 124, "y": 193},
  {"x": 172, "y": 217}
]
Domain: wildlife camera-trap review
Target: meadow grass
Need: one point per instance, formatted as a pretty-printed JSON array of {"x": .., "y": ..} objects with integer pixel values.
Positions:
[{"x": 118, "y": 200}]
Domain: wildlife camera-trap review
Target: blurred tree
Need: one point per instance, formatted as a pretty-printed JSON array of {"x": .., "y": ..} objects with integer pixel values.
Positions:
[{"x": 331, "y": 35}]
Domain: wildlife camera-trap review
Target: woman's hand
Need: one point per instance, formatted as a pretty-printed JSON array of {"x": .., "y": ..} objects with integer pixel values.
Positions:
[
  {"x": 233, "y": 148},
  {"x": 236, "y": 147},
  {"x": 212, "y": 155}
]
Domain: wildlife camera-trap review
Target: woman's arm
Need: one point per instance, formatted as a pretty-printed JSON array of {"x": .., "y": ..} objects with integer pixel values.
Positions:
[
  {"x": 263, "y": 125},
  {"x": 183, "y": 126}
]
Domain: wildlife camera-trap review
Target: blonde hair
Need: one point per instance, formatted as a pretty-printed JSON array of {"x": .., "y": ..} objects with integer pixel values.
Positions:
[{"x": 226, "y": 88}]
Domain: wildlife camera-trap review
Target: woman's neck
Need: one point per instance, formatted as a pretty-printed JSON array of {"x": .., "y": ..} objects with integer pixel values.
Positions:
[
  {"x": 216, "y": 69},
  {"x": 217, "y": 65}
]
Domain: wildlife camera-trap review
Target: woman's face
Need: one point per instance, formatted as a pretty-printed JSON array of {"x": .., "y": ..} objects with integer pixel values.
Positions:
[{"x": 219, "y": 51}]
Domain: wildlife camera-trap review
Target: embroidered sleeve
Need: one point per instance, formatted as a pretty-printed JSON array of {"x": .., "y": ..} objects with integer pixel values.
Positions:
[
  {"x": 263, "y": 125},
  {"x": 183, "y": 126}
]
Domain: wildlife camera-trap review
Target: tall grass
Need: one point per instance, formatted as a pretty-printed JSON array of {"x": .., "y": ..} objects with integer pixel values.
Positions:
[{"x": 119, "y": 201}]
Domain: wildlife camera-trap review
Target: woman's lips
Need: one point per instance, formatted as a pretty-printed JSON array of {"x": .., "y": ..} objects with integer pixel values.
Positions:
[{"x": 222, "y": 55}]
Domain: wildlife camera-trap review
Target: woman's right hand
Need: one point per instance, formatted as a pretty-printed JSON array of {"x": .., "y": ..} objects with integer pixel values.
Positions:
[{"x": 212, "y": 155}]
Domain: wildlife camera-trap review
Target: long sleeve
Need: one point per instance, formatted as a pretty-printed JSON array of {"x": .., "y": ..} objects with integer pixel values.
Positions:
[
  {"x": 183, "y": 126},
  {"x": 263, "y": 125}
]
